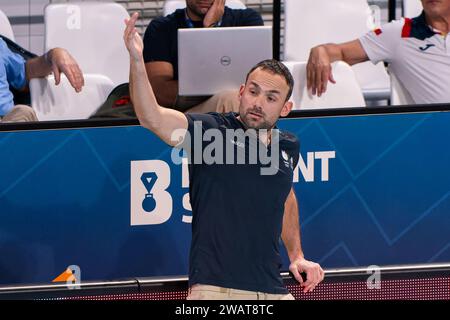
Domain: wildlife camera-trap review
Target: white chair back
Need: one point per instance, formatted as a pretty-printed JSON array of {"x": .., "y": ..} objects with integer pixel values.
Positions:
[
  {"x": 61, "y": 102},
  {"x": 412, "y": 8},
  {"x": 5, "y": 27},
  {"x": 310, "y": 23},
  {"x": 92, "y": 32},
  {"x": 345, "y": 93}
]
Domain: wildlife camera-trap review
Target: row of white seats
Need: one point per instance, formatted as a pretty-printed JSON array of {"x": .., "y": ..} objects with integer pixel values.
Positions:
[{"x": 92, "y": 32}]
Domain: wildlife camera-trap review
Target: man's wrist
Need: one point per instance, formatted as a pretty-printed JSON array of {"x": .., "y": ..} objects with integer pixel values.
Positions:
[
  {"x": 48, "y": 56},
  {"x": 297, "y": 256},
  {"x": 214, "y": 24},
  {"x": 137, "y": 60}
]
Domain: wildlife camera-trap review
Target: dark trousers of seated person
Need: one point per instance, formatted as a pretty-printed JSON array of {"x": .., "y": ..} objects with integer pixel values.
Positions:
[
  {"x": 223, "y": 102},
  {"x": 118, "y": 104}
]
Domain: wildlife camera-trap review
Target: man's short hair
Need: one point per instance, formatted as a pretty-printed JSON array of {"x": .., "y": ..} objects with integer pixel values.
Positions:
[{"x": 275, "y": 67}]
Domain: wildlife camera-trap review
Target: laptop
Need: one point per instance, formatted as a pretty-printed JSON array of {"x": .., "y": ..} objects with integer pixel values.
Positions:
[{"x": 211, "y": 60}]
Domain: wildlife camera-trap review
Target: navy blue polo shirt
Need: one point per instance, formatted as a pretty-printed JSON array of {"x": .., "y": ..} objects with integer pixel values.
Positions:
[
  {"x": 237, "y": 212},
  {"x": 161, "y": 36}
]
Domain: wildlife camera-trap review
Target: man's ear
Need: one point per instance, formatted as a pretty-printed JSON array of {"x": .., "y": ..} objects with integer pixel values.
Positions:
[
  {"x": 241, "y": 90},
  {"x": 288, "y": 105}
]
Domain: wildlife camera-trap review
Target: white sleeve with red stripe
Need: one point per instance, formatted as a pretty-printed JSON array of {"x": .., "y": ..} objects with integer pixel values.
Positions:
[{"x": 380, "y": 44}]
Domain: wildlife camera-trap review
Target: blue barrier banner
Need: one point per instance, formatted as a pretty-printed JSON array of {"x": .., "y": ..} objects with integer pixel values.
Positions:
[{"x": 372, "y": 190}]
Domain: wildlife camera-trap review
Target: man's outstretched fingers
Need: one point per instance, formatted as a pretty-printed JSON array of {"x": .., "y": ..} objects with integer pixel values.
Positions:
[
  {"x": 331, "y": 78},
  {"x": 325, "y": 76}
]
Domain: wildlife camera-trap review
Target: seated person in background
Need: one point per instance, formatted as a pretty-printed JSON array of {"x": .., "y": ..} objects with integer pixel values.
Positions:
[
  {"x": 15, "y": 73},
  {"x": 416, "y": 50},
  {"x": 161, "y": 50}
]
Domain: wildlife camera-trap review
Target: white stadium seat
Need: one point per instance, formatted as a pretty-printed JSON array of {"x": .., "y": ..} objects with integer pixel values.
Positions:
[
  {"x": 92, "y": 32},
  {"x": 310, "y": 23},
  {"x": 61, "y": 102},
  {"x": 412, "y": 8},
  {"x": 345, "y": 93},
  {"x": 5, "y": 27}
]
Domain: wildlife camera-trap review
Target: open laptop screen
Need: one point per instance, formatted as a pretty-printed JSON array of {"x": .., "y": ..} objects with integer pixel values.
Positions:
[{"x": 211, "y": 60}]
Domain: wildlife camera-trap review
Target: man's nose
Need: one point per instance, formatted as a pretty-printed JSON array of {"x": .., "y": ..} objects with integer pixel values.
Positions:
[{"x": 258, "y": 102}]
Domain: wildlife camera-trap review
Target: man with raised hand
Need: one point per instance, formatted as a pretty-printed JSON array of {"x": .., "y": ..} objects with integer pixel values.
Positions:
[{"x": 239, "y": 213}]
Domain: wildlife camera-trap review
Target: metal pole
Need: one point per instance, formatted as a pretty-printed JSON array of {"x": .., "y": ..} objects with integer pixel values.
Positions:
[
  {"x": 392, "y": 9},
  {"x": 276, "y": 27}
]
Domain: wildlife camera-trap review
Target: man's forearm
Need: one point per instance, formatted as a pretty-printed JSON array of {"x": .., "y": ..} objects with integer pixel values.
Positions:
[
  {"x": 144, "y": 100},
  {"x": 161, "y": 121},
  {"x": 350, "y": 52},
  {"x": 291, "y": 228}
]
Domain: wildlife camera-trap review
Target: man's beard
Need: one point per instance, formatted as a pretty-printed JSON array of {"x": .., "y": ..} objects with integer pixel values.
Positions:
[
  {"x": 261, "y": 125},
  {"x": 196, "y": 12}
]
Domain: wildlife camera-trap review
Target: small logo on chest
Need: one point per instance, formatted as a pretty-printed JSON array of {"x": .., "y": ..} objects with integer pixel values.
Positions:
[
  {"x": 426, "y": 47},
  {"x": 288, "y": 161}
]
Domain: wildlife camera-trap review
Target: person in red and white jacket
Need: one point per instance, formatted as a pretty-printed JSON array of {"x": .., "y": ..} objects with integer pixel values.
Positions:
[{"x": 417, "y": 50}]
